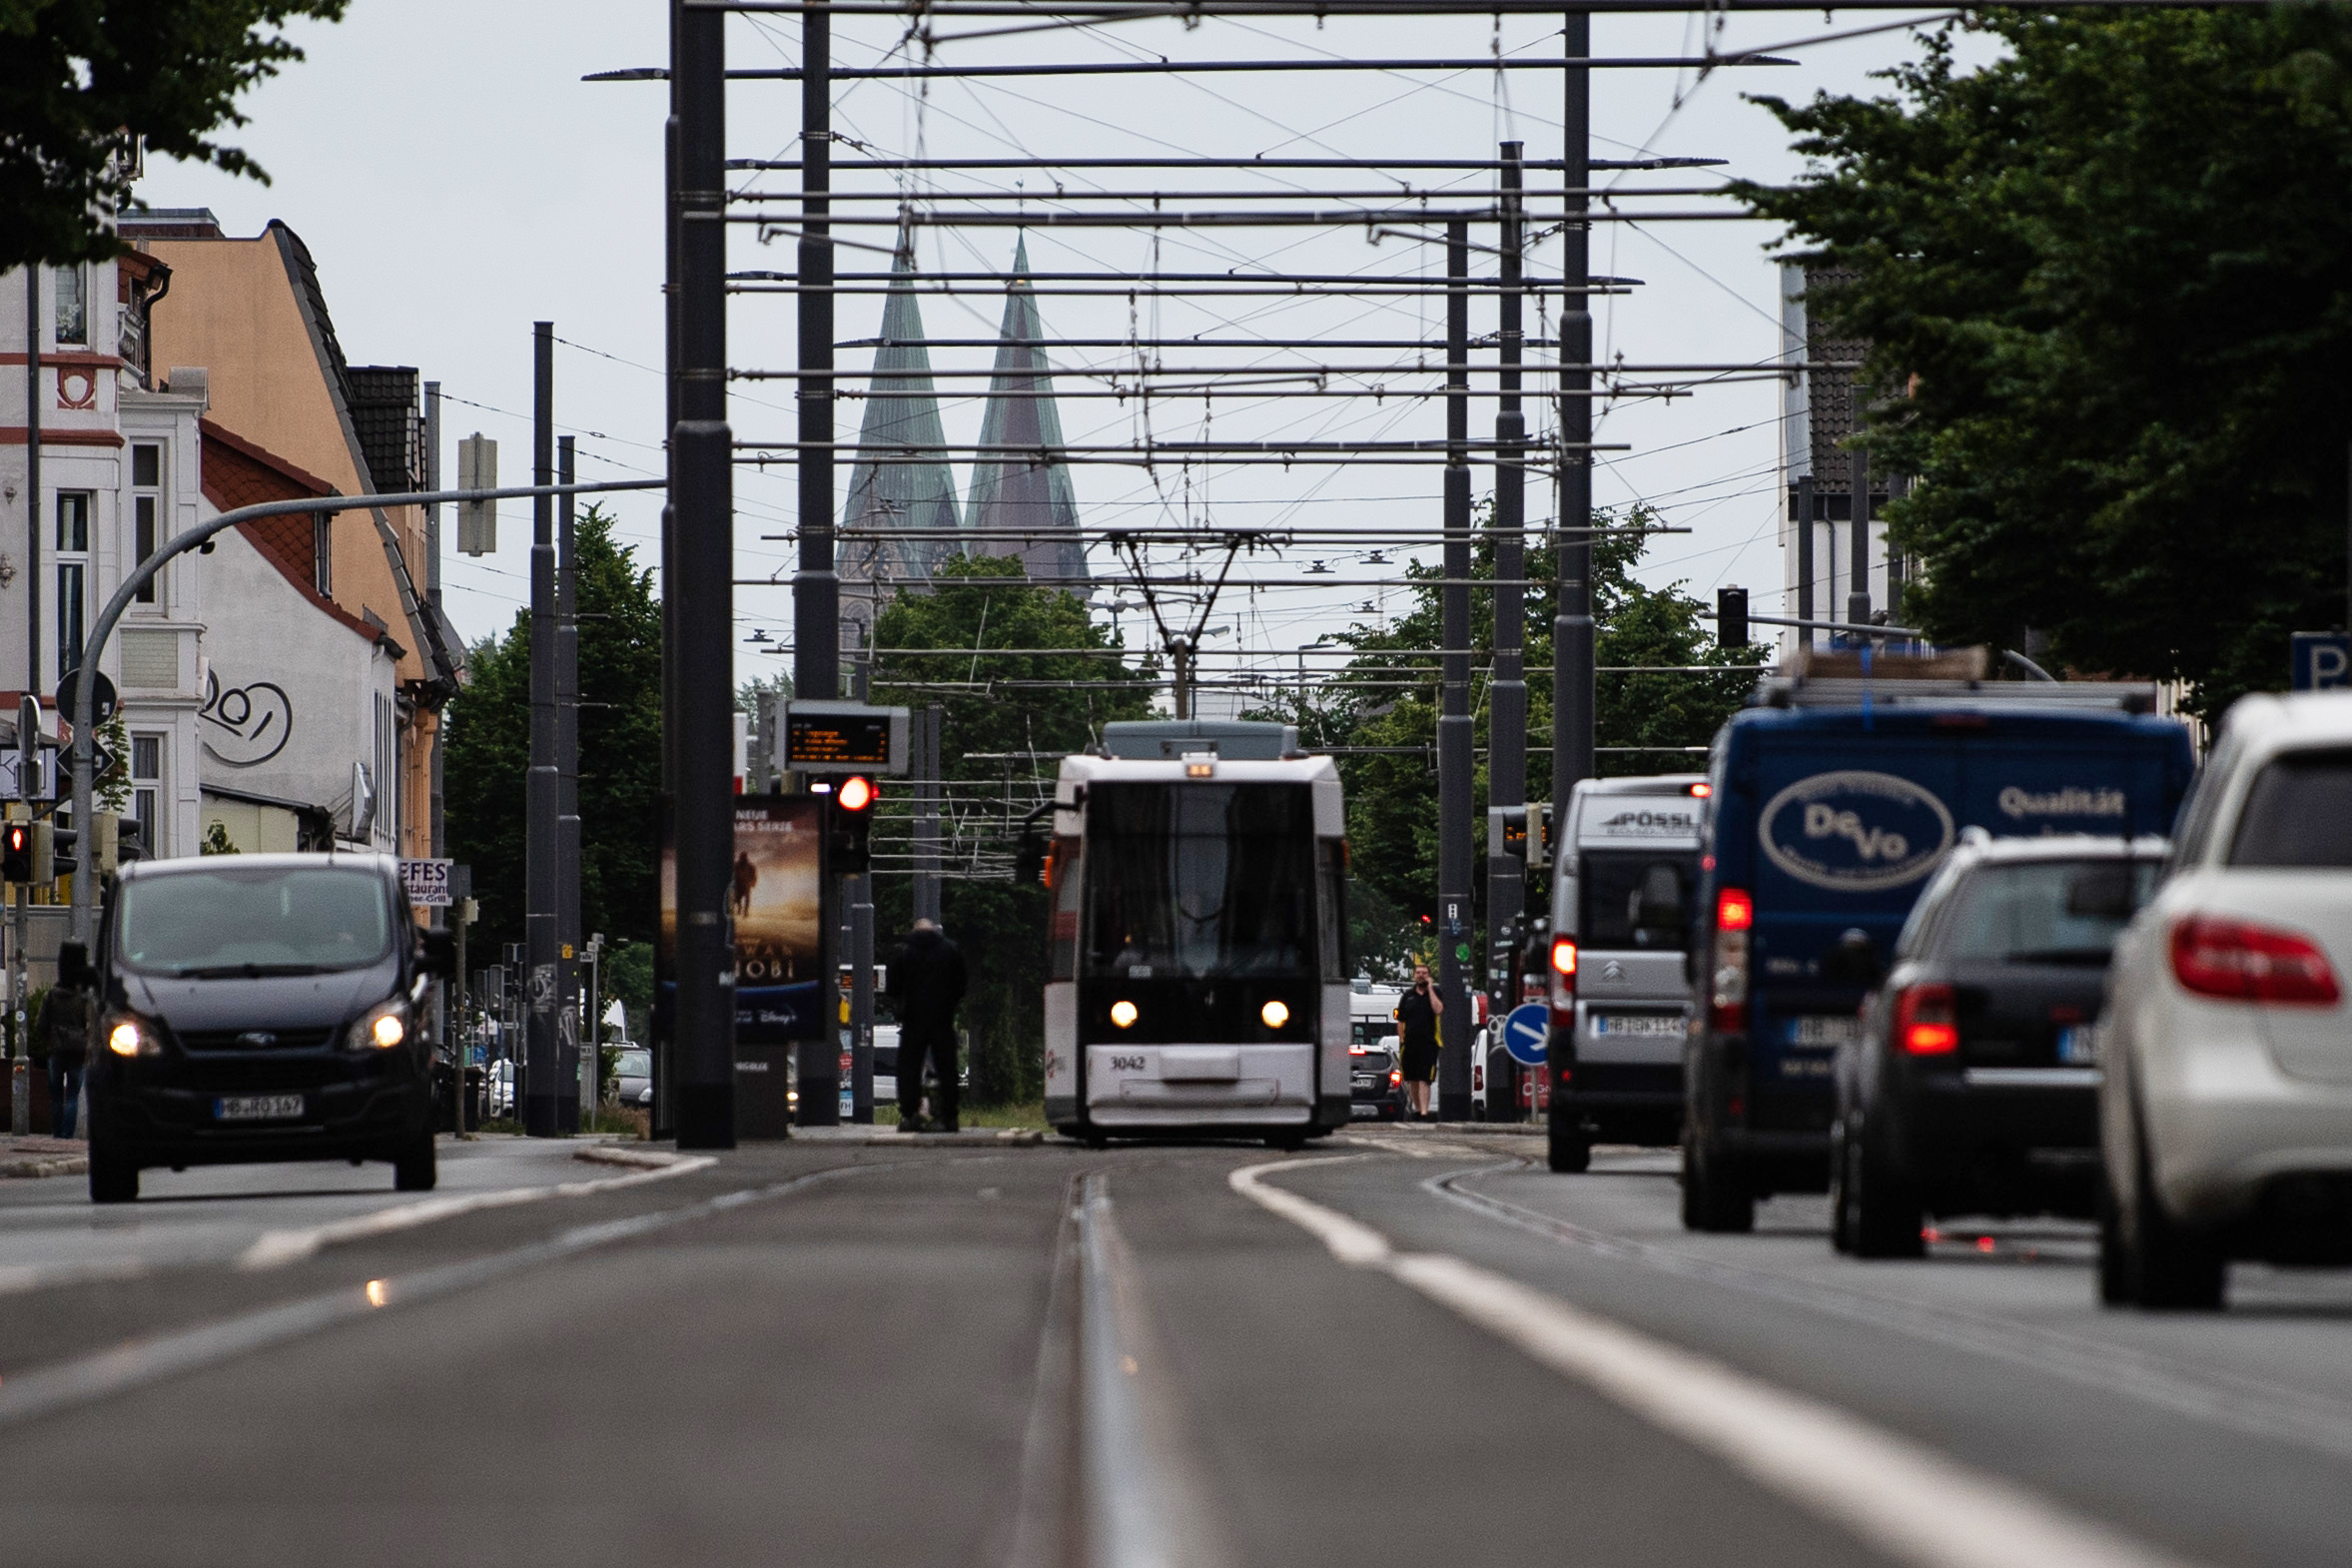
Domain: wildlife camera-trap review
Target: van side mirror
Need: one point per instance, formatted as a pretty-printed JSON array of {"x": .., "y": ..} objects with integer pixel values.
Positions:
[
  {"x": 440, "y": 953},
  {"x": 1029, "y": 864},
  {"x": 72, "y": 966},
  {"x": 1853, "y": 961}
]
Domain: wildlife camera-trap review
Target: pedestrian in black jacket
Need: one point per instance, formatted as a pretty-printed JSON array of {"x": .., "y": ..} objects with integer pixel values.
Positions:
[
  {"x": 927, "y": 982},
  {"x": 63, "y": 1026}
]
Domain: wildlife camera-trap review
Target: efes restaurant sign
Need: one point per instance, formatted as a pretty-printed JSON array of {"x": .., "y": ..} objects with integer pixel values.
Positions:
[{"x": 1856, "y": 831}]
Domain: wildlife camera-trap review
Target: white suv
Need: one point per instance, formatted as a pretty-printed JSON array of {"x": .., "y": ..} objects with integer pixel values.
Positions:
[{"x": 2226, "y": 1107}]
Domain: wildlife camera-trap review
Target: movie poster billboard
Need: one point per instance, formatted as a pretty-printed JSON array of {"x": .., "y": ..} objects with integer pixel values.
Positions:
[{"x": 776, "y": 899}]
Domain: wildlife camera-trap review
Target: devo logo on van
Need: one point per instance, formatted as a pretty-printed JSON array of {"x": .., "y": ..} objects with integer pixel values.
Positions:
[{"x": 1854, "y": 831}]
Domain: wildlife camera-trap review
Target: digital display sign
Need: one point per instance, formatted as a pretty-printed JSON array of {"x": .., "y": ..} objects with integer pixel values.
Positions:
[{"x": 841, "y": 737}]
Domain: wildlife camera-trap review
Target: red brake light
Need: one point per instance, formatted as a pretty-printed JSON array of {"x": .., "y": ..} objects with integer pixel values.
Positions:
[
  {"x": 2239, "y": 962},
  {"x": 856, "y": 793},
  {"x": 1927, "y": 1023},
  {"x": 1396, "y": 1076},
  {"x": 1734, "y": 910},
  {"x": 1355, "y": 1050},
  {"x": 1701, "y": 790},
  {"x": 1564, "y": 955}
]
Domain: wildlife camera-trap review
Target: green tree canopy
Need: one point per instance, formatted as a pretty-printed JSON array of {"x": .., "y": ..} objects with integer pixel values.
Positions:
[
  {"x": 2108, "y": 280},
  {"x": 1388, "y": 696},
  {"x": 488, "y": 756},
  {"x": 1007, "y": 716},
  {"x": 79, "y": 77}
]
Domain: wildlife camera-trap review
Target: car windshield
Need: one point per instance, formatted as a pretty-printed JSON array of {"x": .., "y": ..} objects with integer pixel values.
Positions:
[
  {"x": 230, "y": 920},
  {"x": 2046, "y": 911},
  {"x": 637, "y": 1063},
  {"x": 1192, "y": 880},
  {"x": 1637, "y": 901},
  {"x": 2299, "y": 812}
]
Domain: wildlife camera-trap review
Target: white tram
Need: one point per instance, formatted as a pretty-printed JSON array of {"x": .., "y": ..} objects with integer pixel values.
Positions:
[{"x": 1199, "y": 975}]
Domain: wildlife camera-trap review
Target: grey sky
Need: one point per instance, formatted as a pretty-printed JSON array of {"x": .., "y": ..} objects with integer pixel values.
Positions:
[{"x": 457, "y": 181}]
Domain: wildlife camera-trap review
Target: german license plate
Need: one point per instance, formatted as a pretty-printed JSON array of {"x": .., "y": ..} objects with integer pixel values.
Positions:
[
  {"x": 1638, "y": 1026},
  {"x": 1359, "y": 1109},
  {"x": 258, "y": 1107},
  {"x": 1820, "y": 1031},
  {"x": 2078, "y": 1045}
]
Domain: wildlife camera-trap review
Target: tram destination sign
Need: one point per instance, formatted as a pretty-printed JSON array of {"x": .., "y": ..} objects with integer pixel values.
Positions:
[{"x": 841, "y": 737}]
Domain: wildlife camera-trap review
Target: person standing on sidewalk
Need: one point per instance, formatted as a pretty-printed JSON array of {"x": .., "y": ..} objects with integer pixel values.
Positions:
[
  {"x": 1416, "y": 1022},
  {"x": 63, "y": 1027},
  {"x": 927, "y": 982}
]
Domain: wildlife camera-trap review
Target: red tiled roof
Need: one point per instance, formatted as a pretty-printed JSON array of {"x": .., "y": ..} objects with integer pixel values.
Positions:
[{"x": 237, "y": 472}]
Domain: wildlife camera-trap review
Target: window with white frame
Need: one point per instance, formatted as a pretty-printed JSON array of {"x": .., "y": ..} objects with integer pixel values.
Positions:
[
  {"x": 73, "y": 305},
  {"x": 147, "y": 506},
  {"x": 73, "y": 574},
  {"x": 323, "y": 553},
  {"x": 147, "y": 786}
]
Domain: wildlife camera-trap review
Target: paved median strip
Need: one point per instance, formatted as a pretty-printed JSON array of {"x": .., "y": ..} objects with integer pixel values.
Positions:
[
  {"x": 1907, "y": 1500},
  {"x": 276, "y": 1248}
]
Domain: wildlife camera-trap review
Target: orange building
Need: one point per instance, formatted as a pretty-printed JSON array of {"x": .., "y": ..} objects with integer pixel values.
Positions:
[{"x": 254, "y": 314}]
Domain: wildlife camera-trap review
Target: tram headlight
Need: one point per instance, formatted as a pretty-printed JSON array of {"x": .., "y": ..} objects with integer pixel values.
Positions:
[
  {"x": 1276, "y": 1014},
  {"x": 1122, "y": 1012}
]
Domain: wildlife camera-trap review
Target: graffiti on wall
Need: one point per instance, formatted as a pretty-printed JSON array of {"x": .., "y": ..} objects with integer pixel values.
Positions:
[{"x": 244, "y": 726}]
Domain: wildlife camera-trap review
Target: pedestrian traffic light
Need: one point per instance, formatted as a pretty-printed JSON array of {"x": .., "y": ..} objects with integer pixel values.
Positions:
[
  {"x": 1507, "y": 833},
  {"x": 1730, "y": 617},
  {"x": 16, "y": 852},
  {"x": 852, "y": 818}
]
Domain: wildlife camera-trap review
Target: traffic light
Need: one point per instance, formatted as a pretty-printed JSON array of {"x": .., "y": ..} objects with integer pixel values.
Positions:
[
  {"x": 16, "y": 852},
  {"x": 1730, "y": 617},
  {"x": 852, "y": 818},
  {"x": 52, "y": 853},
  {"x": 1506, "y": 832}
]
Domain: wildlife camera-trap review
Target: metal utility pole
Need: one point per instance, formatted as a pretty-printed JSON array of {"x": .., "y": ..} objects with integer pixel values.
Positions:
[
  {"x": 1506, "y": 733},
  {"x": 462, "y": 916},
  {"x": 1858, "y": 565},
  {"x": 541, "y": 851},
  {"x": 592, "y": 1048},
  {"x": 927, "y": 791},
  {"x": 816, "y": 586},
  {"x": 1805, "y": 550},
  {"x": 33, "y": 511},
  {"x": 1453, "y": 721},
  {"x": 1572, "y": 623},
  {"x": 569, "y": 1106},
  {"x": 858, "y": 890},
  {"x": 699, "y": 722}
]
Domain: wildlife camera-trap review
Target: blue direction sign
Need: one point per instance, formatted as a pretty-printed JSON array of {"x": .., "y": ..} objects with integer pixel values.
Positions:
[
  {"x": 1525, "y": 1031},
  {"x": 2322, "y": 661}
]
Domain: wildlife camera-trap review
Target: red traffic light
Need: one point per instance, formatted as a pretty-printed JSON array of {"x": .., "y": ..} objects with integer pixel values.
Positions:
[
  {"x": 856, "y": 793},
  {"x": 20, "y": 836}
]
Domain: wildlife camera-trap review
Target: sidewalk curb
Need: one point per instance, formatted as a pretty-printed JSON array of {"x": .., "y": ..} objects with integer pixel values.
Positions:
[
  {"x": 978, "y": 1137},
  {"x": 54, "y": 1166},
  {"x": 622, "y": 1154}
]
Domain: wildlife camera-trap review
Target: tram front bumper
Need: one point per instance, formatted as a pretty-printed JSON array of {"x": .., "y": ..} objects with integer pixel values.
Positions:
[{"x": 1201, "y": 1084}]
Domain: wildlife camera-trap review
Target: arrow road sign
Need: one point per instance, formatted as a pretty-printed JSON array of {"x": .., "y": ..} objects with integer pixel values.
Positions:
[{"x": 1525, "y": 1032}]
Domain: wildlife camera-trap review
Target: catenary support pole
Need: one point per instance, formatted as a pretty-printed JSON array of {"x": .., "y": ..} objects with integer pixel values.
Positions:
[
  {"x": 1506, "y": 723},
  {"x": 541, "y": 1049},
  {"x": 573, "y": 1099},
  {"x": 1572, "y": 624},
  {"x": 1857, "y": 553},
  {"x": 36, "y": 516},
  {"x": 1803, "y": 504},
  {"x": 816, "y": 586},
  {"x": 858, "y": 890},
  {"x": 701, "y": 718},
  {"x": 1456, "y": 925},
  {"x": 661, "y": 1032}
]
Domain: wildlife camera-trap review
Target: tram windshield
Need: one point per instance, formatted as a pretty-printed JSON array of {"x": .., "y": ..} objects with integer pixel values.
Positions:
[{"x": 1194, "y": 880}]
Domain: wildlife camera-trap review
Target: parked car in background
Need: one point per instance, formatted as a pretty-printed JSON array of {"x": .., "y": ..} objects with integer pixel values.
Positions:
[
  {"x": 633, "y": 1076},
  {"x": 2225, "y": 1110},
  {"x": 1973, "y": 1084}
]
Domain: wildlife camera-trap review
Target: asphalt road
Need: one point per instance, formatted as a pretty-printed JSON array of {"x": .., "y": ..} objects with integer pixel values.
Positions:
[{"x": 1407, "y": 1348}]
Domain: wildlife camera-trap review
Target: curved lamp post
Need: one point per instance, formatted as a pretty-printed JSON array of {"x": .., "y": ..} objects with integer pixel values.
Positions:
[{"x": 78, "y": 698}]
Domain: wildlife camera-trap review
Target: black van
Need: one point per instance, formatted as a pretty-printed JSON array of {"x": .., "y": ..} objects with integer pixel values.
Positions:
[{"x": 258, "y": 1008}]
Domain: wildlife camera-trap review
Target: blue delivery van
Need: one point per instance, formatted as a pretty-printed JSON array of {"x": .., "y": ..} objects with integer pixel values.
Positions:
[{"x": 1832, "y": 806}]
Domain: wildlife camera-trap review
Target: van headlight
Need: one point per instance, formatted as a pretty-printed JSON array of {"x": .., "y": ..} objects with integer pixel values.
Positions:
[
  {"x": 381, "y": 1029},
  {"x": 126, "y": 1035}
]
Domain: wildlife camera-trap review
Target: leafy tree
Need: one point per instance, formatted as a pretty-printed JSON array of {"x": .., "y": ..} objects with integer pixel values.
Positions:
[
  {"x": 487, "y": 759},
  {"x": 1388, "y": 696},
  {"x": 990, "y": 722},
  {"x": 80, "y": 77},
  {"x": 2108, "y": 283}
]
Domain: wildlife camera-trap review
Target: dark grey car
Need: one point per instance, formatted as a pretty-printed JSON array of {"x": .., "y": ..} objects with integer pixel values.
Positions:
[{"x": 258, "y": 1008}]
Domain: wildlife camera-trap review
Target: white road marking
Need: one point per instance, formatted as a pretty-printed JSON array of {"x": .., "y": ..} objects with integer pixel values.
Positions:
[
  {"x": 1896, "y": 1495},
  {"x": 276, "y": 1248}
]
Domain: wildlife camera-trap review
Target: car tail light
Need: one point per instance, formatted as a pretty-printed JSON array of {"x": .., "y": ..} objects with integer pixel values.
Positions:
[
  {"x": 1395, "y": 1076},
  {"x": 1927, "y": 1023},
  {"x": 1563, "y": 968},
  {"x": 2240, "y": 962},
  {"x": 1727, "y": 1000}
]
